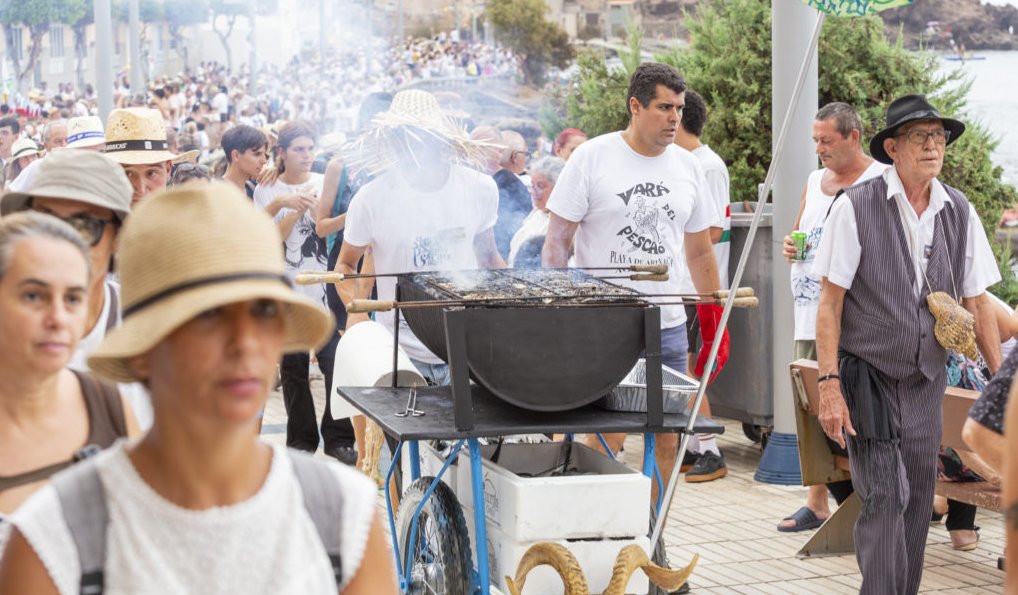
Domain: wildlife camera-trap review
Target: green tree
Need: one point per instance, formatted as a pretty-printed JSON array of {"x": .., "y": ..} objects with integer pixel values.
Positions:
[
  {"x": 729, "y": 63},
  {"x": 80, "y": 27},
  {"x": 149, "y": 12},
  {"x": 520, "y": 25},
  {"x": 227, "y": 12},
  {"x": 37, "y": 15},
  {"x": 181, "y": 14}
]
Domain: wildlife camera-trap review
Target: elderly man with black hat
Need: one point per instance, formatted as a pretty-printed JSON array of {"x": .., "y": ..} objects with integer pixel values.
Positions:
[{"x": 888, "y": 244}]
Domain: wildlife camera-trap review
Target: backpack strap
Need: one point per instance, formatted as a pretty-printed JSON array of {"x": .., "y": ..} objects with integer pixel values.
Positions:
[
  {"x": 83, "y": 501},
  {"x": 324, "y": 504}
]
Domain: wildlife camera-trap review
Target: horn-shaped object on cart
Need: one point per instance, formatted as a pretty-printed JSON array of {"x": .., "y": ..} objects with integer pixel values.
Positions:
[
  {"x": 556, "y": 556},
  {"x": 365, "y": 306},
  {"x": 955, "y": 327},
  {"x": 630, "y": 558}
]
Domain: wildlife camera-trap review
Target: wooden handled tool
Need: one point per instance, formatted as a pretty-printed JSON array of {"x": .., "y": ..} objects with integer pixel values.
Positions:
[
  {"x": 365, "y": 306},
  {"x": 640, "y": 277}
]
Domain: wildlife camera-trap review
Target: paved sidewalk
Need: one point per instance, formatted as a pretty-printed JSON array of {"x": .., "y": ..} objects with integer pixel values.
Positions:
[{"x": 731, "y": 524}]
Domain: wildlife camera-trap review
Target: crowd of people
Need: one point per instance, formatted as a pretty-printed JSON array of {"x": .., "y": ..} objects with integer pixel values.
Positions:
[
  {"x": 147, "y": 302},
  {"x": 200, "y": 103}
]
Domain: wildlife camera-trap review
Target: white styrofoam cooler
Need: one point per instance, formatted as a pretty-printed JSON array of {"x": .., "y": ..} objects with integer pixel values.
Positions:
[
  {"x": 596, "y": 558},
  {"x": 612, "y": 502}
]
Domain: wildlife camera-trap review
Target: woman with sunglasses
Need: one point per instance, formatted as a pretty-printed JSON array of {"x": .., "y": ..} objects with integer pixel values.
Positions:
[
  {"x": 50, "y": 417},
  {"x": 189, "y": 173},
  {"x": 200, "y": 504}
]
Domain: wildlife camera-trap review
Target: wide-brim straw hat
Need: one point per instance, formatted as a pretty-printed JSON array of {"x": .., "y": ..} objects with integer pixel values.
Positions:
[
  {"x": 909, "y": 109},
  {"x": 83, "y": 176},
  {"x": 415, "y": 114},
  {"x": 137, "y": 136},
  {"x": 189, "y": 249}
]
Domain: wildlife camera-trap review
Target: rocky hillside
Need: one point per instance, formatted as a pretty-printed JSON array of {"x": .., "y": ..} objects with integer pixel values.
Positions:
[{"x": 969, "y": 23}]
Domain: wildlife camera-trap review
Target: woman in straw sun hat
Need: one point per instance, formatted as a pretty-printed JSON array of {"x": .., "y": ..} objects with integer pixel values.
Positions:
[{"x": 200, "y": 504}]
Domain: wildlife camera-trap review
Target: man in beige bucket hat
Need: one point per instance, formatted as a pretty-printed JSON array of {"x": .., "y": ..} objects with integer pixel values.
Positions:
[{"x": 136, "y": 139}]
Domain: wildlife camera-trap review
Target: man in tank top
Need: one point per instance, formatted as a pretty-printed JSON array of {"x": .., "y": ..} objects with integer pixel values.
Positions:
[{"x": 837, "y": 135}]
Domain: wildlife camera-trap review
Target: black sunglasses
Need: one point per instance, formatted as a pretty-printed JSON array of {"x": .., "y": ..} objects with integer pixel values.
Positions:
[{"x": 91, "y": 228}]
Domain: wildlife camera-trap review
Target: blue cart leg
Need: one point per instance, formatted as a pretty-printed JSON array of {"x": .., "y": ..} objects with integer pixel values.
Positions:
[
  {"x": 415, "y": 460},
  {"x": 480, "y": 528},
  {"x": 650, "y": 468}
]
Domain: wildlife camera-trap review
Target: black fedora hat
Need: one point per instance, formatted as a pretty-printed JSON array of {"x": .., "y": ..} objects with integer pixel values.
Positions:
[{"x": 909, "y": 109}]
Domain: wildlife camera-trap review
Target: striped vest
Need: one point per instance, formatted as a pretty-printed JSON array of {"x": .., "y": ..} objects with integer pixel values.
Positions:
[{"x": 883, "y": 322}]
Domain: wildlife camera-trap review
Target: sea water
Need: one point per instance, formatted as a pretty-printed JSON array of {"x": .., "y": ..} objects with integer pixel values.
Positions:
[{"x": 993, "y": 101}]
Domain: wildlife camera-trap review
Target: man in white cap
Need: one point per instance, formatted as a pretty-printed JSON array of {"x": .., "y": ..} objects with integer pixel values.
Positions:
[
  {"x": 136, "y": 139},
  {"x": 83, "y": 132},
  {"x": 91, "y": 192}
]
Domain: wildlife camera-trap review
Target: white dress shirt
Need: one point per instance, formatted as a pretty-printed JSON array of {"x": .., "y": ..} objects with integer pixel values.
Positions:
[{"x": 838, "y": 257}]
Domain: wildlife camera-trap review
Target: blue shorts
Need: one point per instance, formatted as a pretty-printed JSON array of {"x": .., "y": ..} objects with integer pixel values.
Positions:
[{"x": 674, "y": 347}]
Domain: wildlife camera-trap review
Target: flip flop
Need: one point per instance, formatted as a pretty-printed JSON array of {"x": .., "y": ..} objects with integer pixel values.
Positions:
[{"x": 805, "y": 519}]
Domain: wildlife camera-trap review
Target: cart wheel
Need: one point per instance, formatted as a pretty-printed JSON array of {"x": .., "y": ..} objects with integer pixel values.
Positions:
[
  {"x": 441, "y": 560},
  {"x": 753, "y": 432},
  {"x": 659, "y": 557}
]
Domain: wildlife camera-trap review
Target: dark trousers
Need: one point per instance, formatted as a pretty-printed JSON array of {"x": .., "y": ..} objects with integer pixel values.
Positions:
[
  {"x": 896, "y": 487},
  {"x": 301, "y": 421}
]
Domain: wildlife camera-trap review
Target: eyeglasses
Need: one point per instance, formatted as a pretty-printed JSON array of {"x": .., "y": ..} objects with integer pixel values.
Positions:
[
  {"x": 189, "y": 171},
  {"x": 91, "y": 228},
  {"x": 919, "y": 137}
]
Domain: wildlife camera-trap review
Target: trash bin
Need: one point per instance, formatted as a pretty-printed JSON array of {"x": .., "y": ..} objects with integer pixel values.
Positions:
[{"x": 743, "y": 389}]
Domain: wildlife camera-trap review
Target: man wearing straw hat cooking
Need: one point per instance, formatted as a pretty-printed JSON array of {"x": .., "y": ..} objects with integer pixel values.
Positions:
[
  {"x": 896, "y": 253},
  {"x": 426, "y": 210},
  {"x": 136, "y": 138}
]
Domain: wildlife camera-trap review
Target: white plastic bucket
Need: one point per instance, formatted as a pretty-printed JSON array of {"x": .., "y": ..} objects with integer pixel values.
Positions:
[{"x": 363, "y": 359}]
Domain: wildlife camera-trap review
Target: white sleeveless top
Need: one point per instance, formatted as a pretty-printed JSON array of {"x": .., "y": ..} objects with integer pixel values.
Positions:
[
  {"x": 806, "y": 287},
  {"x": 266, "y": 544}
]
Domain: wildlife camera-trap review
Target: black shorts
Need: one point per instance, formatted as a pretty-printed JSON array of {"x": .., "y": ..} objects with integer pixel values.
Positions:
[{"x": 692, "y": 329}]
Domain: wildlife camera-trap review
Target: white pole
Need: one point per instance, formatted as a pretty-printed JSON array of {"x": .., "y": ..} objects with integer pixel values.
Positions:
[
  {"x": 807, "y": 60},
  {"x": 134, "y": 36},
  {"x": 103, "y": 56}
]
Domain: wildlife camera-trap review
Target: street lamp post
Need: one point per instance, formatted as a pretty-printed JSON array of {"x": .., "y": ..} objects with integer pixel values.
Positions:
[
  {"x": 103, "y": 18},
  {"x": 137, "y": 75}
]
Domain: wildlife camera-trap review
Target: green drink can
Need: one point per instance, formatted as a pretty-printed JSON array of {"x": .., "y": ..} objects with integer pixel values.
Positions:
[{"x": 799, "y": 239}]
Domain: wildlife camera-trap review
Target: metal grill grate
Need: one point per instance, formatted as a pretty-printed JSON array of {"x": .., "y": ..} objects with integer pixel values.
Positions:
[{"x": 523, "y": 284}]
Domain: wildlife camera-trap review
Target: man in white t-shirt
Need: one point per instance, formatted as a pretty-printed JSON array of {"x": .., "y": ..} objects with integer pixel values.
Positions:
[
  {"x": 423, "y": 213},
  {"x": 633, "y": 197},
  {"x": 837, "y": 135},
  {"x": 715, "y": 173}
]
